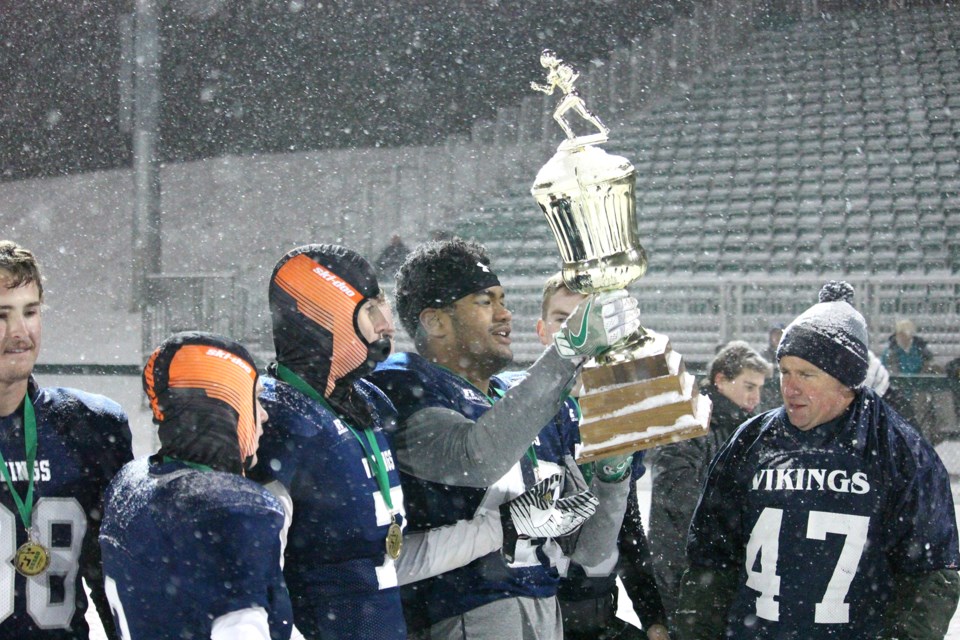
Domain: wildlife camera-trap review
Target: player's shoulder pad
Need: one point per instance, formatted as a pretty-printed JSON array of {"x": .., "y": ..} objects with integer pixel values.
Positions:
[
  {"x": 96, "y": 422},
  {"x": 748, "y": 432},
  {"x": 396, "y": 372},
  {"x": 65, "y": 399},
  {"x": 411, "y": 383},
  {"x": 899, "y": 442},
  {"x": 292, "y": 412},
  {"x": 223, "y": 492},
  {"x": 382, "y": 406}
]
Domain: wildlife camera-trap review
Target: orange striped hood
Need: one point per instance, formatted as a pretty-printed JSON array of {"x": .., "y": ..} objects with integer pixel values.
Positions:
[
  {"x": 315, "y": 295},
  {"x": 202, "y": 390}
]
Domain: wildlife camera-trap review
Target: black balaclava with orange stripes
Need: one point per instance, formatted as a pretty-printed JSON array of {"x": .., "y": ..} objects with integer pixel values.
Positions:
[
  {"x": 316, "y": 292},
  {"x": 202, "y": 389}
]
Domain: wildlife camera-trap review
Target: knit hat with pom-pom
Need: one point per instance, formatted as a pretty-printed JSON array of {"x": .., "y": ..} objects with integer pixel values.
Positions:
[{"x": 831, "y": 335}]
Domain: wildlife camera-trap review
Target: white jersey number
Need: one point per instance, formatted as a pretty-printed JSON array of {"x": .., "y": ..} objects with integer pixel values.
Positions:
[
  {"x": 764, "y": 546},
  {"x": 59, "y": 520}
]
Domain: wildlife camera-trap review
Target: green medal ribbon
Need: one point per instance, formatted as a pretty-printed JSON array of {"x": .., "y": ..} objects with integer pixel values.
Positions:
[
  {"x": 370, "y": 449},
  {"x": 25, "y": 506},
  {"x": 192, "y": 465}
]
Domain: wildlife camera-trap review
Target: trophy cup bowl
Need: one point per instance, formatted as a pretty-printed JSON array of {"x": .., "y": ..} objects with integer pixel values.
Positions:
[
  {"x": 587, "y": 196},
  {"x": 638, "y": 394}
]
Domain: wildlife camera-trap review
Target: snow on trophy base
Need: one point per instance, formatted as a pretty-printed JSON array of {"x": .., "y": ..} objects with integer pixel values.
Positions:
[{"x": 638, "y": 395}]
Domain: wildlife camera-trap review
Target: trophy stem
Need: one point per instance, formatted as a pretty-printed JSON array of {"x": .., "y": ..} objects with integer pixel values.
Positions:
[{"x": 625, "y": 349}]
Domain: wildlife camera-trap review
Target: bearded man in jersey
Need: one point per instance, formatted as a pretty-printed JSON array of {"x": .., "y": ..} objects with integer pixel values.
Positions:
[
  {"x": 324, "y": 452},
  {"x": 469, "y": 442},
  {"x": 830, "y": 517},
  {"x": 59, "y": 448},
  {"x": 191, "y": 548}
]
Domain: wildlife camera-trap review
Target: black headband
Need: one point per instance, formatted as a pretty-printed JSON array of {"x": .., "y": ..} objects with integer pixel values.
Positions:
[{"x": 447, "y": 291}]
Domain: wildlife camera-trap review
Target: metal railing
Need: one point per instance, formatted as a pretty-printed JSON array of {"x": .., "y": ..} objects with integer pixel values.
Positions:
[
  {"x": 192, "y": 301},
  {"x": 701, "y": 313}
]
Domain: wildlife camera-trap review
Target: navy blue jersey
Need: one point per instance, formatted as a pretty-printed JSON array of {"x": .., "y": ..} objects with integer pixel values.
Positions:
[
  {"x": 82, "y": 442},
  {"x": 576, "y": 585},
  {"x": 818, "y": 522},
  {"x": 342, "y": 581},
  {"x": 414, "y": 384},
  {"x": 560, "y": 436},
  {"x": 182, "y": 547}
]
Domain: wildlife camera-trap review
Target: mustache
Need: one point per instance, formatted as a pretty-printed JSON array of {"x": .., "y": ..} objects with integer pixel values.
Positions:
[{"x": 17, "y": 344}]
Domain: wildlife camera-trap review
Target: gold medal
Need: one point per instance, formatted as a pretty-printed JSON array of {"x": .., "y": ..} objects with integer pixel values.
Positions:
[
  {"x": 394, "y": 540},
  {"x": 32, "y": 559}
]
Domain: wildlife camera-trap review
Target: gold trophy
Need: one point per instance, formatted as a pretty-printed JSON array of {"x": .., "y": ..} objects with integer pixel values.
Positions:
[{"x": 637, "y": 395}]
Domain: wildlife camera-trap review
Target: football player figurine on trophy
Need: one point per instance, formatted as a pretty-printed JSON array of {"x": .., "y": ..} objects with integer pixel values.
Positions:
[
  {"x": 637, "y": 395},
  {"x": 562, "y": 76}
]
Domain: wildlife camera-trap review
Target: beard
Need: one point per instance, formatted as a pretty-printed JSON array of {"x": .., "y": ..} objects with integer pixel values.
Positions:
[
  {"x": 14, "y": 369},
  {"x": 489, "y": 361}
]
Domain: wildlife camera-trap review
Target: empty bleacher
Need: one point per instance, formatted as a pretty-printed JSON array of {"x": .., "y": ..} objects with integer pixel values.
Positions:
[{"x": 824, "y": 150}]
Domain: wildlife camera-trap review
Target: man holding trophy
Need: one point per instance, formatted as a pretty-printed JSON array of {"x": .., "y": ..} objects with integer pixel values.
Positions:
[
  {"x": 470, "y": 444},
  {"x": 463, "y": 442}
]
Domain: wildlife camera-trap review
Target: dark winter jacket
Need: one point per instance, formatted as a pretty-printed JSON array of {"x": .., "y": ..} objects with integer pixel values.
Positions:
[{"x": 679, "y": 471}]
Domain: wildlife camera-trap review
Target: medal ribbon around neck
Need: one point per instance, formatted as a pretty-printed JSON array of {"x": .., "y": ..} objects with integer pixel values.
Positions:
[
  {"x": 25, "y": 505},
  {"x": 370, "y": 448},
  {"x": 31, "y": 559}
]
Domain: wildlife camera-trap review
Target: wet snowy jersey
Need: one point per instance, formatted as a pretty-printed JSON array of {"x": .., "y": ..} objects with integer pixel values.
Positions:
[
  {"x": 342, "y": 582},
  {"x": 182, "y": 547},
  {"x": 414, "y": 384},
  {"x": 819, "y": 522},
  {"x": 82, "y": 441}
]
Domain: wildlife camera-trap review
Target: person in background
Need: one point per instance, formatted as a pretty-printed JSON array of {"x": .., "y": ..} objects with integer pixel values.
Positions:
[
  {"x": 59, "y": 448},
  {"x": 589, "y": 602},
  {"x": 324, "y": 451},
  {"x": 191, "y": 548},
  {"x": 734, "y": 380},
  {"x": 391, "y": 257},
  {"x": 463, "y": 442},
  {"x": 774, "y": 333},
  {"x": 830, "y": 517},
  {"x": 909, "y": 354},
  {"x": 770, "y": 393}
]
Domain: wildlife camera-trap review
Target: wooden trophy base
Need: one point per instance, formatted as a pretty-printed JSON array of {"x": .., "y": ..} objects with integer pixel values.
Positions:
[{"x": 639, "y": 398}]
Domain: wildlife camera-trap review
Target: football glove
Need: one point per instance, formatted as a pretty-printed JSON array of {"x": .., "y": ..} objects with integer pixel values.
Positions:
[
  {"x": 540, "y": 513},
  {"x": 614, "y": 468},
  {"x": 597, "y": 323}
]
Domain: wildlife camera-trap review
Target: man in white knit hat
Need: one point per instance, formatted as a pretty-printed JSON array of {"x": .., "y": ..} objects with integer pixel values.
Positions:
[{"x": 828, "y": 517}]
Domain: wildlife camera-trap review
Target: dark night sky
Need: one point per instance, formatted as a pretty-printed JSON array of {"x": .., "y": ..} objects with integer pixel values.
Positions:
[{"x": 283, "y": 76}]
